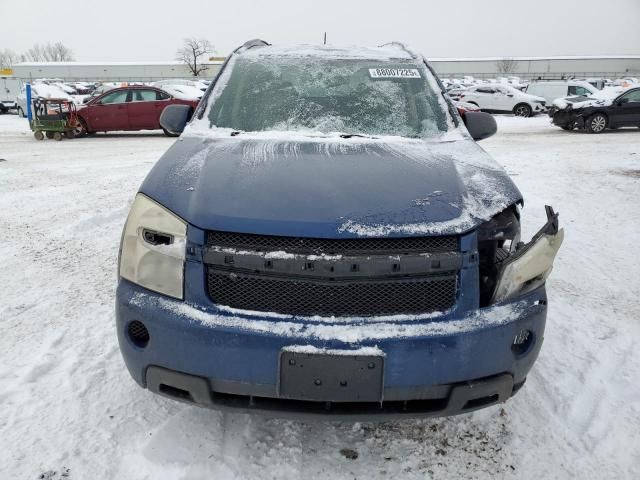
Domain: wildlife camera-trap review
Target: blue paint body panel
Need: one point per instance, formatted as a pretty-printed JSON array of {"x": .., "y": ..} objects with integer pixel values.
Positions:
[
  {"x": 233, "y": 354},
  {"x": 313, "y": 189}
]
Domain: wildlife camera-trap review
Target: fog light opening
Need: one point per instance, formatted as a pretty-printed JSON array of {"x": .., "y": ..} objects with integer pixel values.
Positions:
[
  {"x": 522, "y": 342},
  {"x": 138, "y": 334}
]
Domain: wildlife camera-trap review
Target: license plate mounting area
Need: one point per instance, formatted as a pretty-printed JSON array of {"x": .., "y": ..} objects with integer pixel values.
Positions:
[{"x": 331, "y": 376}]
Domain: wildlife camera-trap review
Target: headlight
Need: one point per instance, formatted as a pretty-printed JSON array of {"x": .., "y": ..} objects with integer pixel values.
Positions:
[
  {"x": 531, "y": 264},
  {"x": 497, "y": 239},
  {"x": 153, "y": 248}
]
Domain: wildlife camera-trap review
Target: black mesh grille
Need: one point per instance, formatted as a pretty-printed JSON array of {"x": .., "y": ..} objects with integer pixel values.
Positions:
[
  {"x": 342, "y": 298},
  {"x": 138, "y": 333},
  {"x": 345, "y": 246}
]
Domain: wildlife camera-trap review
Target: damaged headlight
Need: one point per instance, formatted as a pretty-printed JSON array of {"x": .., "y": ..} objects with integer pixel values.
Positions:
[
  {"x": 152, "y": 252},
  {"x": 497, "y": 239},
  {"x": 531, "y": 264}
]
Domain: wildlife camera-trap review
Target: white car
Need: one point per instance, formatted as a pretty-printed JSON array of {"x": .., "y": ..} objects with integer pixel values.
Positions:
[
  {"x": 499, "y": 98},
  {"x": 183, "y": 92},
  {"x": 39, "y": 90},
  {"x": 179, "y": 81}
]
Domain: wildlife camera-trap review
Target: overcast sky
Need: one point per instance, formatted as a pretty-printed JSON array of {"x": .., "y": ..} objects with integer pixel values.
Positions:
[{"x": 126, "y": 30}]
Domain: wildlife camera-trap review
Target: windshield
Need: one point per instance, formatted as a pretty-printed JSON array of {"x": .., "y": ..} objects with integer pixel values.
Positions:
[{"x": 365, "y": 97}]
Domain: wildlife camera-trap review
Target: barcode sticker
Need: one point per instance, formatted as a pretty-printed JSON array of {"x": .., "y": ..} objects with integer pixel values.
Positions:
[{"x": 394, "y": 73}]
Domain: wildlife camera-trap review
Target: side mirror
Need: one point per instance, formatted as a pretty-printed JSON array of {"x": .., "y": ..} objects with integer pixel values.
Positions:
[
  {"x": 481, "y": 125},
  {"x": 175, "y": 117}
]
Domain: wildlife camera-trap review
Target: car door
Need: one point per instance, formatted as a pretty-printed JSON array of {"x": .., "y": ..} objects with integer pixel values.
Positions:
[
  {"x": 484, "y": 97},
  {"x": 109, "y": 112},
  {"x": 503, "y": 99},
  {"x": 626, "y": 109},
  {"x": 145, "y": 109}
]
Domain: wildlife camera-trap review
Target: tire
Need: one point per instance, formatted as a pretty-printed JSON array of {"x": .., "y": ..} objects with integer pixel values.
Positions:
[
  {"x": 80, "y": 130},
  {"x": 49, "y": 135},
  {"x": 522, "y": 110},
  {"x": 568, "y": 128},
  {"x": 596, "y": 123},
  {"x": 69, "y": 134},
  {"x": 21, "y": 112},
  {"x": 169, "y": 134},
  {"x": 57, "y": 136},
  {"x": 38, "y": 135}
]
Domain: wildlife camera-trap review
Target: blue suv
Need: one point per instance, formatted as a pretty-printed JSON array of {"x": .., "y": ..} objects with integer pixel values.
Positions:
[{"x": 326, "y": 238}]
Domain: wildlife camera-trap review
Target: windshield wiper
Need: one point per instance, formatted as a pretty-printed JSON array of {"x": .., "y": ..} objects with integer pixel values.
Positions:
[{"x": 351, "y": 135}]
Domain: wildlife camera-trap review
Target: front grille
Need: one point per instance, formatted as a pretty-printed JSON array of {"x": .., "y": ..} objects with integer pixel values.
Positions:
[
  {"x": 327, "y": 298},
  {"x": 343, "y": 246}
]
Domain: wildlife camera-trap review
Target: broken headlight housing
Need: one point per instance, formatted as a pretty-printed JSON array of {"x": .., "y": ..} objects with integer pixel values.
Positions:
[
  {"x": 509, "y": 267},
  {"x": 497, "y": 239},
  {"x": 531, "y": 264},
  {"x": 152, "y": 252}
]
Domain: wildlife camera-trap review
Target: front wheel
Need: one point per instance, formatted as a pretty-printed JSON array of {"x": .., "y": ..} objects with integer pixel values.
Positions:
[
  {"x": 522, "y": 110},
  {"x": 568, "y": 128},
  {"x": 80, "y": 129},
  {"x": 596, "y": 123},
  {"x": 38, "y": 135}
]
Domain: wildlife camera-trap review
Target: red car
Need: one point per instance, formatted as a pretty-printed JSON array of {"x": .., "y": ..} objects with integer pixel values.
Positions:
[{"x": 136, "y": 107}]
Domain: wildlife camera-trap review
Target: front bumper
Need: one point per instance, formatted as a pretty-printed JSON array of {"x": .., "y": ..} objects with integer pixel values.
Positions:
[
  {"x": 564, "y": 118},
  {"x": 433, "y": 366}
]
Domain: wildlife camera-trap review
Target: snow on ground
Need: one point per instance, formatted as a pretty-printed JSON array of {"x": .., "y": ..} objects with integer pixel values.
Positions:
[{"x": 68, "y": 408}]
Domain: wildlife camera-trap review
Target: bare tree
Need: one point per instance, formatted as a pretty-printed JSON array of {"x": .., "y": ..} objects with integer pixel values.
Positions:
[
  {"x": 58, "y": 52},
  {"x": 191, "y": 53},
  {"x": 507, "y": 65},
  {"x": 7, "y": 58},
  {"x": 51, "y": 52}
]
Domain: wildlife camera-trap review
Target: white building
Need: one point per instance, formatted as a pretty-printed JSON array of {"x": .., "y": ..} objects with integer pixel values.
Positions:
[
  {"x": 524, "y": 67},
  {"x": 541, "y": 67},
  {"x": 109, "y": 71}
]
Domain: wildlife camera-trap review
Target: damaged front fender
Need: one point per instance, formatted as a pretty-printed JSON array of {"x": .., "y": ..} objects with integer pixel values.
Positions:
[{"x": 530, "y": 265}]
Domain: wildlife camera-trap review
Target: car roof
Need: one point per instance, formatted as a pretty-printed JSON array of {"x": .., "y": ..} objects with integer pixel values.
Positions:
[{"x": 385, "y": 52}]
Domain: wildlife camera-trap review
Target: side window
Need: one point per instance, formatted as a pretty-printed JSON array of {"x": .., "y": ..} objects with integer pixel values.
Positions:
[
  {"x": 115, "y": 97},
  {"x": 162, "y": 95},
  {"x": 576, "y": 90},
  {"x": 633, "y": 96},
  {"x": 144, "y": 96},
  {"x": 485, "y": 90}
]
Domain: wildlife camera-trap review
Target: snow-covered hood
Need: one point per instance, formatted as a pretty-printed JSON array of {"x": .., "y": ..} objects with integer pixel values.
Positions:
[
  {"x": 330, "y": 187},
  {"x": 533, "y": 98},
  {"x": 574, "y": 103}
]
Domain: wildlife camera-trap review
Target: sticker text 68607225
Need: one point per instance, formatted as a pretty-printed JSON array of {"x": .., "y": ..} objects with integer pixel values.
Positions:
[{"x": 394, "y": 73}]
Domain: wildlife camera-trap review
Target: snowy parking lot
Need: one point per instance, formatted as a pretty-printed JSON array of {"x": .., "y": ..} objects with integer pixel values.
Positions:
[{"x": 69, "y": 409}]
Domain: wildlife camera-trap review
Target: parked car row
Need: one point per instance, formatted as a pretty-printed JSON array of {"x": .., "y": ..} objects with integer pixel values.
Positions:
[
  {"x": 535, "y": 97},
  {"x": 116, "y": 106}
]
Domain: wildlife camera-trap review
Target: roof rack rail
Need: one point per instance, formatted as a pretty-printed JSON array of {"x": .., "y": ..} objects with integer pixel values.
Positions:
[
  {"x": 256, "y": 42},
  {"x": 401, "y": 46}
]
